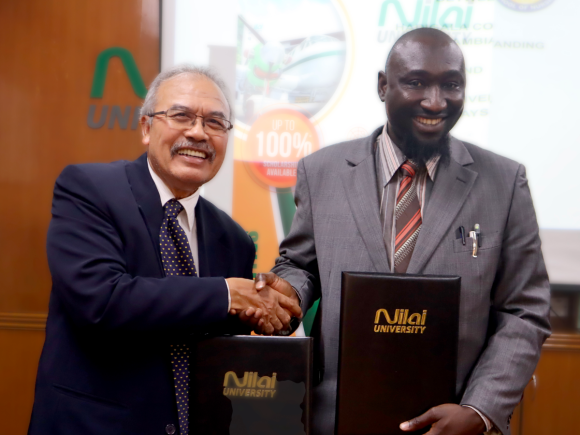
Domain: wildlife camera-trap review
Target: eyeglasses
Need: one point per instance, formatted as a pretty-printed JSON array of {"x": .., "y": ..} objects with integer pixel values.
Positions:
[{"x": 184, "y": 120}]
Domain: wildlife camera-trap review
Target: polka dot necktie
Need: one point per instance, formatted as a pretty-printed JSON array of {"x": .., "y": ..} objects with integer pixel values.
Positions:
[
  {"x": 177, "y": 260},
  {"x": 408, "y": 217}
]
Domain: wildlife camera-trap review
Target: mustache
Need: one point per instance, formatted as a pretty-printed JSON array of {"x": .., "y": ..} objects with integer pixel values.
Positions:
[{"x": 191, "y": 144}]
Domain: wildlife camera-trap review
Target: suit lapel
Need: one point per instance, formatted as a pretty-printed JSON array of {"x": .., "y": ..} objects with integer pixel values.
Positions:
[
  {"x": 452, "y": 185},
  {"x": 211, "y": 249},
  {"x": 212, "y": 252},
  {"x": 360, "y": 184},
  {"x": 148, "y": 200}
]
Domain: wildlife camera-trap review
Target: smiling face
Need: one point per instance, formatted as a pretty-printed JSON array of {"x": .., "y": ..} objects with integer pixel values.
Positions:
[
  {"x": 424, "y": 91},
  {"x": 186, "y": 159}
]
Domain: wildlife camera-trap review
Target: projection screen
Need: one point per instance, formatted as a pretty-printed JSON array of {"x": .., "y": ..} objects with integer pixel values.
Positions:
[{"x": 302, "y": 75}]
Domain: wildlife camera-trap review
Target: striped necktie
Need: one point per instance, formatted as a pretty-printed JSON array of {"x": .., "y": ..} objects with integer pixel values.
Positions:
[
  {"x": 177, "y": 261},
  {"x": 408, "y": 217}
]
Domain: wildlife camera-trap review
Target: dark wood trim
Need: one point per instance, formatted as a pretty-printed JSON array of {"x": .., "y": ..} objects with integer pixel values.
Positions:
[
  {"x": 566, "y": 342},
  {"x": 23, "y": 321}
]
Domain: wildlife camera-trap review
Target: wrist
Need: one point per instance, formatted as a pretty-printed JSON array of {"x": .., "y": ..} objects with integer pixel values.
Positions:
[
  {"x": 295, "y": 297},
  {"x": 238, "y": 294},
  {"x": 482, "y": 423}
]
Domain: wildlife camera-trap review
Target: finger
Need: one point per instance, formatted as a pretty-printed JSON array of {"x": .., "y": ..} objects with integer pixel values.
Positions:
[
  {"x": 243, "y": 317},
  {"x": 249, "y": 320},
  {"x": 420, "y": 422},
  {"x": 260, "y": 281},
  {"x": 259, "y": 313},
  {"x": 276, "y": 323},
  {"x": 284, "y": 317},
  {"x": 267, "y": 329},
  {"x": 233, "y": 312},
  {"x": 250, "y": 311},
  {"x": 290, "y": 305}
]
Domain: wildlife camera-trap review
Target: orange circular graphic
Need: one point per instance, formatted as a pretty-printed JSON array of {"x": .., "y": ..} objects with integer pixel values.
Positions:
[{"x": 276, "y": 142}]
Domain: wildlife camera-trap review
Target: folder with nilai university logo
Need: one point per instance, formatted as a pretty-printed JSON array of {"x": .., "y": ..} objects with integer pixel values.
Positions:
[
  {"x": 398, "y": 349},
  {"x": 250, "y": 385}
]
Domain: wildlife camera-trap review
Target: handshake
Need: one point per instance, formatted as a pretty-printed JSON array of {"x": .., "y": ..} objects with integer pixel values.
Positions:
[{"x": 267, "y": 305}]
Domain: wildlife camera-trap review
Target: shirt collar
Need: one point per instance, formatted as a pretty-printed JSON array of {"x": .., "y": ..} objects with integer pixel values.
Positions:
[
  {"x": 392, "y": 158},
  {"x": 165, "y": 194}
]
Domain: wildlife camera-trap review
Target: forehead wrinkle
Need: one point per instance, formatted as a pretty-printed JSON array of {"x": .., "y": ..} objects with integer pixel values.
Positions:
[
  {"x": 189, "y": 109},
  {"x": 180, "y": 107},
  {"x": 220, "y": 97},
  {"x": 413, "y": 54},
  {"x": 185, "y": 84}
]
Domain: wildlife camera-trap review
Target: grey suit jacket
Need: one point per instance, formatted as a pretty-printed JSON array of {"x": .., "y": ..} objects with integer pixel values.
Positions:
[{"x": 504, "y": 291}]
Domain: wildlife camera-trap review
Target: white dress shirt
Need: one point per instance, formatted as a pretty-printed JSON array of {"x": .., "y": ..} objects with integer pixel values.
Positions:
[{"x": 186, "y": 220}]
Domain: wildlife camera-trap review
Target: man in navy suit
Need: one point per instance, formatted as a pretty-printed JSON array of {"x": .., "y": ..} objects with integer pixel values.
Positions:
[{"x": 116, "y": 305}]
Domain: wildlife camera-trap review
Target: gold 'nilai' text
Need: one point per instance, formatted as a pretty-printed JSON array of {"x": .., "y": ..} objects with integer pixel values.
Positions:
[{"x": 401, "y": 322}]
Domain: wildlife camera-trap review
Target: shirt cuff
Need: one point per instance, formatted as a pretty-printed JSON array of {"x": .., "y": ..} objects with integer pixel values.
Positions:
[
  {"x": 488, "y": 424},
  {"x": 229, "y": 297}
]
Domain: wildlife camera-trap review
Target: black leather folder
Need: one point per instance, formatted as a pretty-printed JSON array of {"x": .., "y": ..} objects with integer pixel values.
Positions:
[
  {"x": 398, "y": 349},
  {"x": 242, "y": 385}
]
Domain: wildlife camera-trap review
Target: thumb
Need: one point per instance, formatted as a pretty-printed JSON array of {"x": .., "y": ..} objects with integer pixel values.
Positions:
[
  {"x": 266, "y": 279},
  {"x": 420, "y": 422}
]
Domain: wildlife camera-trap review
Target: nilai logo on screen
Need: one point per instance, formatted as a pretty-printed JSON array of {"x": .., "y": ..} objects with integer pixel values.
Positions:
[
  {"x": 118, "y": 115},
  {"x": 428, "y": 14},
  {"x": 401, "y": 322},
  {"x": 250, "y": 386}
]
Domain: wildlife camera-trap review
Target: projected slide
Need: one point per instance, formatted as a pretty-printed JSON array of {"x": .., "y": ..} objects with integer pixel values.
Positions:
[{"x": 303, "y": 76}]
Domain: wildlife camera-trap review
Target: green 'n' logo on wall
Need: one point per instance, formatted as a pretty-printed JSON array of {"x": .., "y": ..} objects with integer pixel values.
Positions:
[
  {"x": 100, "y": 76},
  {"x": 117, "y": 115}
]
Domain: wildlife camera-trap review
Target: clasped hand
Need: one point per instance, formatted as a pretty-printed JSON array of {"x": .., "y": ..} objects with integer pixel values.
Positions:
[
  {"x": 267, "y": 305},
  {"x": 447, "y": 419}
]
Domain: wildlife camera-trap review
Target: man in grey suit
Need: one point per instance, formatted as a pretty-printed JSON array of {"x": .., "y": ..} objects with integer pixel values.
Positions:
[{"x": 348, "y": 217}]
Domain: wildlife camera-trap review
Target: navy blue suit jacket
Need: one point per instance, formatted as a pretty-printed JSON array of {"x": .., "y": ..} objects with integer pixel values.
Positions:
[{"x": 105, "y": 366}]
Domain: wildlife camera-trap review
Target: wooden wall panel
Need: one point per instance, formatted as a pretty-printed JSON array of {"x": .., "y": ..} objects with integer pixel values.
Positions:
[
  {"x": 20, "y": 353},
  {"x": 552, "y": 399},
  {"x": 49, "y": 50}
]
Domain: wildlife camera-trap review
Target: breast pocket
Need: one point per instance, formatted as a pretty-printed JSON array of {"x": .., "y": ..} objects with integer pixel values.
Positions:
[
  {"x": 477, "y": 274},
  {"x": 486, "y": 242}
]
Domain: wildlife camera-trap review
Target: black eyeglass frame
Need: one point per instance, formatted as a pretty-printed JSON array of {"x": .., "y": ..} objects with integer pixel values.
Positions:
[{"x": 164, "y": 112}]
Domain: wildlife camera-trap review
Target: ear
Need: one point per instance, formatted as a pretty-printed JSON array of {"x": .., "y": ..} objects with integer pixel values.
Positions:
[
  {"x": 382, "y": 85},
  {"x": 145, "y": 130}
]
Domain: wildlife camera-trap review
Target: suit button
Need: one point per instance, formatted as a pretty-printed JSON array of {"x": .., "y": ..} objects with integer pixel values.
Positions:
[{"x": 170, "y": 429}]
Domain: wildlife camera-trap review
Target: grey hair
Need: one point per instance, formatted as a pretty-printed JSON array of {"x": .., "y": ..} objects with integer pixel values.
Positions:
[{"x": 151, "y": 97}]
